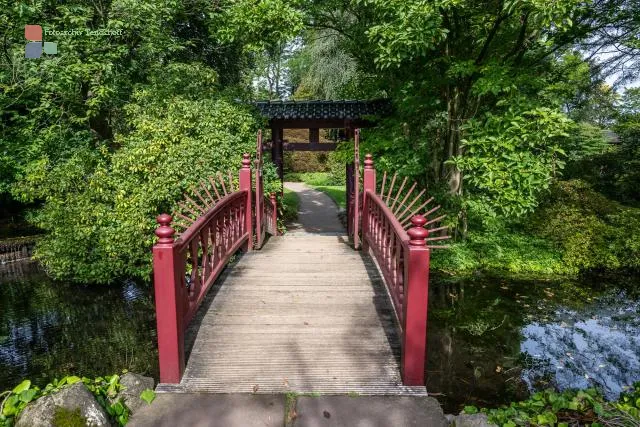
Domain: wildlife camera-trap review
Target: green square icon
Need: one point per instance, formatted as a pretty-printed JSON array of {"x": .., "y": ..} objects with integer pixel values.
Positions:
[{"x": 50, "y": 48}]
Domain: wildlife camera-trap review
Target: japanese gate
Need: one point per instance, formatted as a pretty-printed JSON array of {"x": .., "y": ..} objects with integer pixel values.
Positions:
[{"x": 297, "y": 313}]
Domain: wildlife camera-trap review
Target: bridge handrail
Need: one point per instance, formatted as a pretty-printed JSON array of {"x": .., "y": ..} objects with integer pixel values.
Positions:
[
  {"x": 185, "y": 268},
  {"x": 388, "y": 242},
  {"x": 403, "y": 258},
  {"x": 192, "y": 232}
]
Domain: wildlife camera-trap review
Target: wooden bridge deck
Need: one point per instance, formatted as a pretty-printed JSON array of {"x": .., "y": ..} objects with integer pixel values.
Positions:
[{"x": 305, "y": 314}]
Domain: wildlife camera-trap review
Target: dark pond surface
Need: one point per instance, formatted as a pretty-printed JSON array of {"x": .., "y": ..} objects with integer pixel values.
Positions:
[
  {"x": 490, "y": 340},
  {"x": 51, "y": 329}
]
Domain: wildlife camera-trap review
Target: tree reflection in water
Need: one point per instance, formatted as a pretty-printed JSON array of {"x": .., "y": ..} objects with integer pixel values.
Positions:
[
  {"x": 493, "y": 340},
  {"x": 598, "y": 346},
  {"x": 50, "y": 329}
]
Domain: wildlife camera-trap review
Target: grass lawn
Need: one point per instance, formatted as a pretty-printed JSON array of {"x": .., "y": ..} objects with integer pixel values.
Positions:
[
  {"x": 309, "y": 178},
  {"x": 290, "y": 203},
  {"x": 321, "y": 182},
  {"x": 336, "y": 192}
]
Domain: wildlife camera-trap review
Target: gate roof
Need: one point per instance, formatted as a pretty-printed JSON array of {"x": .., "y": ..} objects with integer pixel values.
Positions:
[{"x": 321, "y": 113}]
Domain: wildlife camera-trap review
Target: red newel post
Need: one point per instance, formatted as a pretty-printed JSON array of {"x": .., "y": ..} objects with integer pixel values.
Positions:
[
  {"x": 274, "y": 212},
  {"x": 356, "y": 189},
  {"x": 369, "y": 183},
  {"x": 245, "y": 185},
  {"x": 416, "y": 288},
  {"x": 168, "y": 304},
  {"x": 259, "y": 201}
]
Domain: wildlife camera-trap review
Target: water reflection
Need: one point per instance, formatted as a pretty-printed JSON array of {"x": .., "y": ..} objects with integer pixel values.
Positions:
[
  {"x": 492, "y": 341},
  {"x": 599, "y": 346},
  {"x": 50, "y": 329}
]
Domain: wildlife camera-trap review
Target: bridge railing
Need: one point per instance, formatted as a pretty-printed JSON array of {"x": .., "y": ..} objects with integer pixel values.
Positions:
[
  {"x": 265, "y": 213},
  {"x": 185, "y": 268},
  {"x": 270, "y": 215},
  {"x": 403, "y": 258}
]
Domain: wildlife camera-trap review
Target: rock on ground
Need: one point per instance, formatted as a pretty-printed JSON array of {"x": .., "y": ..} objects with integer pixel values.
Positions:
[
  {"x": 132, "y": 386},
  {"x": 471, "y": 420},
  {"x": 41, "y": 412}
]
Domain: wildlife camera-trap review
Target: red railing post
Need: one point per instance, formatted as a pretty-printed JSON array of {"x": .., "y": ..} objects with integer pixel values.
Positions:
[
  {"x": 259, "y": 208},
  {"x": 169, "y": 314},
  {"x": 416, "y": 288},
  {"x": 245, "y": 185},
  {"x": 369, "y": 183},
  {"x": 356, "y": 189},
  {"x": 274, "y": 212}
]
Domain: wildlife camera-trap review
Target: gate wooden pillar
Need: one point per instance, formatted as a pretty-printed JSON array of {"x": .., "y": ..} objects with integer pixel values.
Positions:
[
  {"x": 356, "y": 189},
  {"x": 349, "y": 199},
  {"x": 277, "y": 156}
]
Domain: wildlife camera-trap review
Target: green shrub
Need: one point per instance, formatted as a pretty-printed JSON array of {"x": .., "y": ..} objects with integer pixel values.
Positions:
[
  {"x": 501, "y": 250},
  {"x": 100, "y": 207},
  {"x": 305, "y": 161},
  {"x": 593, "y": 231},
  {"x": 337, "y": 169}
]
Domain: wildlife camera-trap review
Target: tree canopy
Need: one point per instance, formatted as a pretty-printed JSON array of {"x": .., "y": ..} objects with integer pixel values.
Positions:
[{"x": 495, "y": 101}]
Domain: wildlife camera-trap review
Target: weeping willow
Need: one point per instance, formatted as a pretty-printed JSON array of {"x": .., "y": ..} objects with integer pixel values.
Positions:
[{"x": 331, "y": 69}]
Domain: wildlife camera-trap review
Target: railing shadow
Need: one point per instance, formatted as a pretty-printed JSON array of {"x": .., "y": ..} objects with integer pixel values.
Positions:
[
  {"x": 384, "y": 305},
  {"x": 192, "y": 330}
]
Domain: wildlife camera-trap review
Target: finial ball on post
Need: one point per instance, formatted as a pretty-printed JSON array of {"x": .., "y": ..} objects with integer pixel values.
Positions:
[
  {"x": 418, "y": 233},
  {"x": 368, "y": 161},
  {"x": 246, "y": 161},
  {"x": 164, "y": 232}
]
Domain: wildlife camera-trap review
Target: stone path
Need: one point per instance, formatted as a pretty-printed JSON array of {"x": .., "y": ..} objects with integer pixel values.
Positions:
[
  {"x": 247, "y": 410},
  {"x": 317, "y": 213}
]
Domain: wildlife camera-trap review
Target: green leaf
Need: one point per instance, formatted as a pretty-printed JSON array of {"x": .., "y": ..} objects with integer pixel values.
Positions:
[
  {"x": 27, "y": 396},
  {"x": 24, "y": 385},
  {"x": 118, "y": 408},
  {"x": 597, "y": 408},
  {"x": 148, "y": 395},
  {"x": 9, "y": 407},
  {"x": 73, "y": 379}
]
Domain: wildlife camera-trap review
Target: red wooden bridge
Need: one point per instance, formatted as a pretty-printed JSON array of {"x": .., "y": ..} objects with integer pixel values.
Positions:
[{"x": 302, "y": 312}]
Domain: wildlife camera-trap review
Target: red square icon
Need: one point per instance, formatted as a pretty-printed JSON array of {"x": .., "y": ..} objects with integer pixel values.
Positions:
[{"x": 33, "y": 33}]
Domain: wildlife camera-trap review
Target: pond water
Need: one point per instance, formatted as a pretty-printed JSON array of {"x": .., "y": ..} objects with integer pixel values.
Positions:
[
  {"x": 51, "y": 329},
  {"x": 491, "y": 340}
]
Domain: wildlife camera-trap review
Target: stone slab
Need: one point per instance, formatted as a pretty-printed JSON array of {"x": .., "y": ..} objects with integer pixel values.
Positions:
[
  {"x": 209, "y": 410},
  {"x": 369, "y": 411}
]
